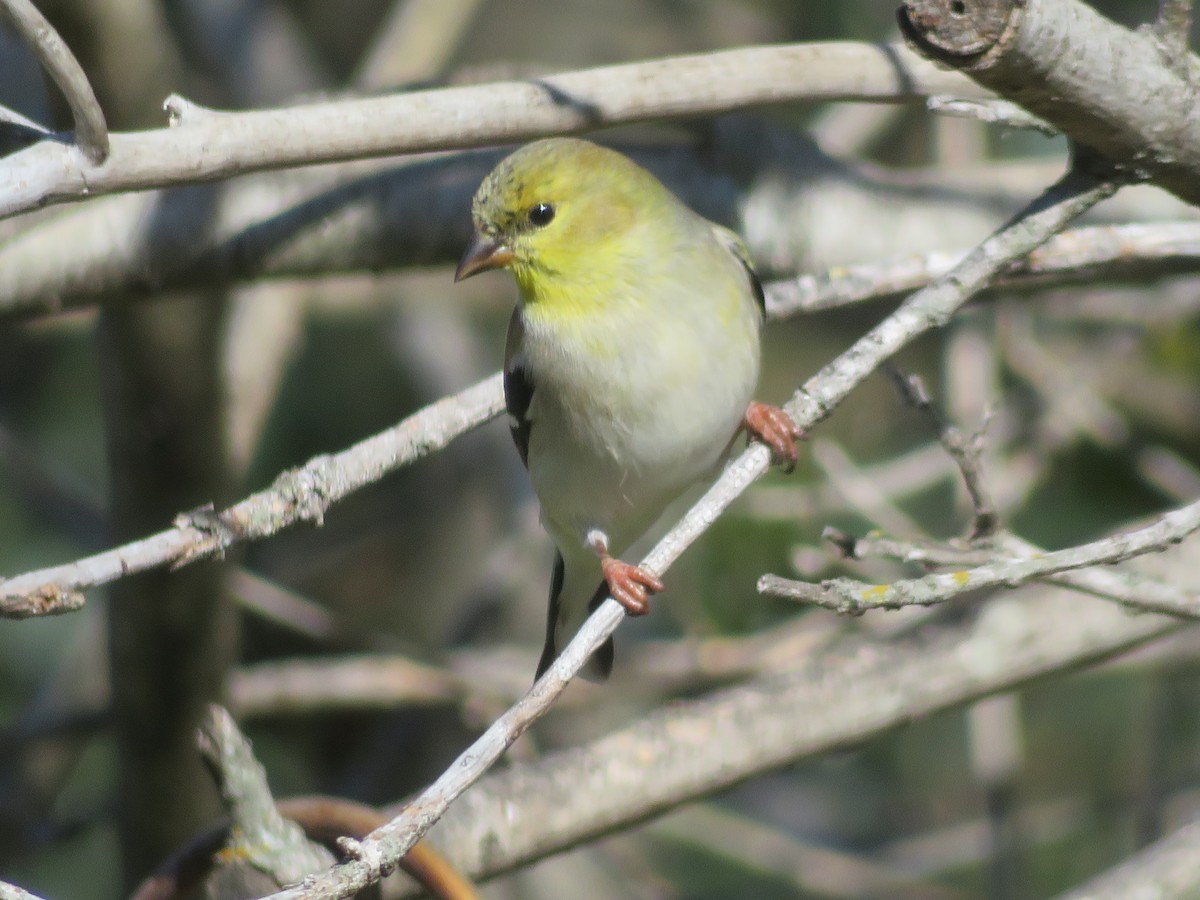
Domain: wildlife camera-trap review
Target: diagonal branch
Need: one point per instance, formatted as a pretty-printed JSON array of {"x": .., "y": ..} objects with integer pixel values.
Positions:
[
  {"x": 299, "y": 495},
  {"x": 91, "y": 131},
  {"x": 1070, "y": 197}
]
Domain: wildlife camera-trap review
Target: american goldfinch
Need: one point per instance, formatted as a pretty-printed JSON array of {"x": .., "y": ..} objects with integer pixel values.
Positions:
[{"x": 631, "y": 358}]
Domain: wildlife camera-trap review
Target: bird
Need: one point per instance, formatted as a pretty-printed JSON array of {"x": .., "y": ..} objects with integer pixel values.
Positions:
[{"x": 630, "y": 363}]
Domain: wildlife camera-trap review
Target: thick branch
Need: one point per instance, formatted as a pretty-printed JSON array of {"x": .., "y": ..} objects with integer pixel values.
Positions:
[
  {"x": 1167, "y": 868},
  {"x": 1106, "y": 87},
  {"x": 206, "y": 144}
]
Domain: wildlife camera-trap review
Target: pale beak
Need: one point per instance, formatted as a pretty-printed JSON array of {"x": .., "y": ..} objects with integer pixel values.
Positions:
[{"x": 482, "y": 254}]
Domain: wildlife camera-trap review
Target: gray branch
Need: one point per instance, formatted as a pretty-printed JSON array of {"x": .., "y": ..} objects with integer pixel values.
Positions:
[
  {"x": 1108, "y": 88},
  {"x": 845, "y": 595},
  {"x": 203, "y": 144},
  {"x": 91, "y": 131},
  {"x": 298, "y": 495}
]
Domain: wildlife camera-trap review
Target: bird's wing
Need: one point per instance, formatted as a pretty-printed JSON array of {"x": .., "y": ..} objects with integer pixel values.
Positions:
[
  {"x": 518, "y": 386},
  {"x": 735, "y": 246}
]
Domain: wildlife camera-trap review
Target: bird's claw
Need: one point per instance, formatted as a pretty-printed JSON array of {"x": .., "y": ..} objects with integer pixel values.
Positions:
[
  {"x": 630, "y": 585},
  {"x": 775, "y": 428}
]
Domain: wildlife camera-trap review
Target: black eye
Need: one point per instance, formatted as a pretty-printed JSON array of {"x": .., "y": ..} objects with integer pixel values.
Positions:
[{"x": 541, "y": 215}]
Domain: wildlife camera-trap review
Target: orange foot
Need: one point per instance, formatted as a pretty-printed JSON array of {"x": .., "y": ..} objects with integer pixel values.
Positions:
[
  {"x": 630, "y": 585},
  {"x": 775, "y": 428}
]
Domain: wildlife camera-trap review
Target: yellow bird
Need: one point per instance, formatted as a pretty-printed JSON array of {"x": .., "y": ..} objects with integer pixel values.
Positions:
[{"x": 631, "y": 359}]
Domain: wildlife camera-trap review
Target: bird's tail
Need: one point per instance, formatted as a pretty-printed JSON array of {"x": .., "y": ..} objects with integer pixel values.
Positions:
[{"x": 573, "y": 597}]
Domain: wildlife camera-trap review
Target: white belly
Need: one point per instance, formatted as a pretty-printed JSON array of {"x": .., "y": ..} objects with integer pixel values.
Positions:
[{"x": 614, "y": 441}]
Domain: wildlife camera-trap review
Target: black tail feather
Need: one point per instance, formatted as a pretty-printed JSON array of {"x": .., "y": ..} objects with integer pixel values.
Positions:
[{"x": 599, "y": 667}]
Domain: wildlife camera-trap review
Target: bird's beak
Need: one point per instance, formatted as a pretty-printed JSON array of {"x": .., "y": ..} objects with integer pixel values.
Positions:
[{"x": 482, "y": 254}]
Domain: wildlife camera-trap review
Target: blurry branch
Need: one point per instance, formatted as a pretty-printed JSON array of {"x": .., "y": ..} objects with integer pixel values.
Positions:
[
  {"x": 12, "y": 892},
  {"x": 813, "y": 870},
  {"x": 1173, "y": 28},
  {"x": 1070, "y": 197},
  {"x": 260, "y": 836},
  {"x": 266, "y": 844},
  {"x": 204, "y": 144},
  {"x": 1107, "y": 88},
  {"x": 1106, "y": 253},
  {"x": 820, "y": 704},
  {"x": 964, "y": 449},
  {"x": 414, "y": 41},
  {"x": 298, "y": 495},
  {"x": 1169, "y": 868},
  {"x": 845, "y": 595},
  {"x": 91, "y": 131},
  {"x": 364, "y": 682}
]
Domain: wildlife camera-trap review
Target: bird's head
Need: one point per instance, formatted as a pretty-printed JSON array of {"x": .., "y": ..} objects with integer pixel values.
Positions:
[{"x": 562, "y": 210}]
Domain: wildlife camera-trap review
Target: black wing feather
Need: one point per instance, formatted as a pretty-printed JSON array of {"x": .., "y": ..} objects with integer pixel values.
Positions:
[{"x": 518, "y": 389}]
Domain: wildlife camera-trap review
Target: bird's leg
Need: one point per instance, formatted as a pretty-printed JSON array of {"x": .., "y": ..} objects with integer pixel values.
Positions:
[
  {"x": 630, "y": 585},
  {"x": 775, "y": 428}
]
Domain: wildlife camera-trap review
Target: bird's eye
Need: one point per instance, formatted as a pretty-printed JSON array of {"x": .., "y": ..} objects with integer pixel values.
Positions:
[{"x": 541, "y": 215}]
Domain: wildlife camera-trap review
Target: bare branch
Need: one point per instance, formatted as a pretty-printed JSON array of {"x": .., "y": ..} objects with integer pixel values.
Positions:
[
  {"x": 846, "y": 595},
  {"x": 260, "y": 835},
  {"x": 207, "y": 144},
  {"x": 964, "y": 449},
  {"x": 1173, "y": 28},
  {"x": 91, "y": 131},
  {"x": 993, "y": 112},
  {"x": 299, "y": 495},
  {"x": 1070, "y": 197},
  {"x": 1128, "y": 588},
  {"x": 1106, "y": 87},
  {"x": 12, "y": 892},
  {"x": 1103, "y": 252},
  {"x": 1168, "y": 868}
]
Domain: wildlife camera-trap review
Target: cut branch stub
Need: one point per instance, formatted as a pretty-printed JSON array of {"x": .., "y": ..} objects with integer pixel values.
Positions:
[
  {"x": 960, "y": 28},
  {"x": 1109, "y": 89}
]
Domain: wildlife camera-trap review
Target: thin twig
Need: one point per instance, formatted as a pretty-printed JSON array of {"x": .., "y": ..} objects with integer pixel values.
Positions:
[
  {"x": 932, "y": 307},
  {"x": 847, "y": 595},
  {"x": 993, "y": 112},
  {"x": 1100, "y": 251},
  {"x": 1128, "y": 588},
  {"x": 298, "y": 495},
  {"x": 964, "y": 449},
  {"x": 91, "y": 131}
]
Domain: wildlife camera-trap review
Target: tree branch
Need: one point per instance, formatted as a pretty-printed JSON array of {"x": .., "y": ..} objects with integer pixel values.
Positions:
[
  {"x": 298, "y": 495},
  {"x": 1106, "y": 87},
  {"x": 206, "y": 144},
  {"x": 91, "y": 131},
  {"x": 1167, "y": 868},
  {"x": 846, "y": 595}
]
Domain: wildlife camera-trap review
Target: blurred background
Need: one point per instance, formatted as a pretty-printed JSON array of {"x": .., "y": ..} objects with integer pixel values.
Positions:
[{"x": 178, "y": 395}]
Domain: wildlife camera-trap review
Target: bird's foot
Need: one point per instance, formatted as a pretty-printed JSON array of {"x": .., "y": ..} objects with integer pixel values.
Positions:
[
  {"x": 630, "y": 585},
  {"x": 775, "y": 428}
]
